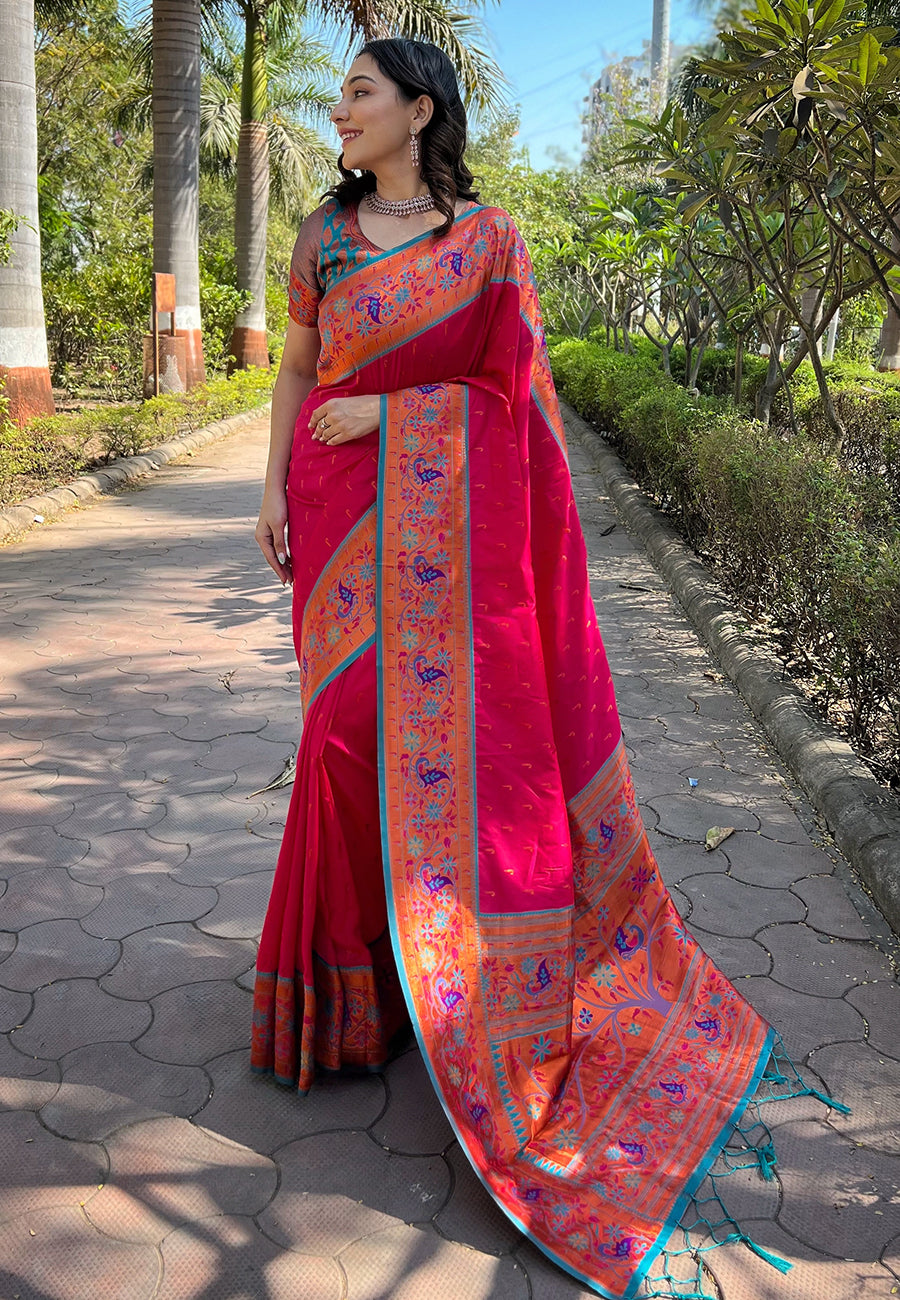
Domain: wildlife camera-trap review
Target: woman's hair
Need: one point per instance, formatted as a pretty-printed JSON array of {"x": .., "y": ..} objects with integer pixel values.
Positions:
[{"x": 418, "y": 68}]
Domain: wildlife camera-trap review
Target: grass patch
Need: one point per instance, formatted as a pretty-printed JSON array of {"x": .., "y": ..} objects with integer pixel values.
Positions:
[{"x": 54, "y": 449}]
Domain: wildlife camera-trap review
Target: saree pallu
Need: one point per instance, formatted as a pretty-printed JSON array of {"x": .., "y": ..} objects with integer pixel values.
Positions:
[{"x": 591, "y": 1059}]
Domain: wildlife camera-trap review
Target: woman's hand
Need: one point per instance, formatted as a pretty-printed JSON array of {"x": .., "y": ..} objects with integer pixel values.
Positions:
[
  {"x": 343, "y": 419},
  {"x": 270, "y": 532}
]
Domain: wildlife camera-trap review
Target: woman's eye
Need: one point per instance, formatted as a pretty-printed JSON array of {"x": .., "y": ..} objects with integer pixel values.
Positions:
[{"x": 358, "y": 92}]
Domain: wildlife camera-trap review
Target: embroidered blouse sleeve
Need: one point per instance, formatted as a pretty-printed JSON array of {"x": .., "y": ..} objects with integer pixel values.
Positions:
[{"x": 305, "y": 290}]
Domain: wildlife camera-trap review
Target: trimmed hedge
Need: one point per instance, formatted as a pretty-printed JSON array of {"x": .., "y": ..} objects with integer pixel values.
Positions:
[
  {"x": 52, "y": 450},
  {"x": 807, "y": 534}
]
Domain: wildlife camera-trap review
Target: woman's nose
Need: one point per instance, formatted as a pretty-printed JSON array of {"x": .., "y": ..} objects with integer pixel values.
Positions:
[{"x": 338, "y": 112}]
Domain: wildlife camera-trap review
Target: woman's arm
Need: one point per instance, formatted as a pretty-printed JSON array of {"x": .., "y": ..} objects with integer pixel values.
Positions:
[{"x": 296, "y": 380}]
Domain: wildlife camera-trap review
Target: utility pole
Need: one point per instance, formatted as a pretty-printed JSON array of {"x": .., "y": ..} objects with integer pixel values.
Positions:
[{"x": 659, "y": 55}]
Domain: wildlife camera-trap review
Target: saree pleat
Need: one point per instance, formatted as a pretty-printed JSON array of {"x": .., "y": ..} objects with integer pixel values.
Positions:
[
  {"x": 326, "y": 989},
  {"x": 462, "y": 781}
]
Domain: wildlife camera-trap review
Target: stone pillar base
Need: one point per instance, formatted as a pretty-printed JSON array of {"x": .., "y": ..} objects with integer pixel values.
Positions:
[
  {"x": 29, "y": 392},
  {"x": 249, "y": 347}
]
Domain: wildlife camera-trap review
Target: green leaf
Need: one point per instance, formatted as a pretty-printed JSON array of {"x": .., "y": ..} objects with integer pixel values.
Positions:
[
  {"x": 869, "y": 58},
  {"x": 836, "y": 184},
  {"x": 787, "y": 139}
]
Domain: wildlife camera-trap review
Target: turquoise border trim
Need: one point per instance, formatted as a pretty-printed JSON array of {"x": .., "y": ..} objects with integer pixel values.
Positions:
[
  {"x": 372, "y": 257},
  {"x": 336, "y": 671},
  {"x": 701, "y": 1171}
]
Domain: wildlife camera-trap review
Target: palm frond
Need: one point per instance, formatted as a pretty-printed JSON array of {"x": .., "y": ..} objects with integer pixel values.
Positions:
[
  {"x": 461, "y": 34},
  {"x": 301, "y": 164}
]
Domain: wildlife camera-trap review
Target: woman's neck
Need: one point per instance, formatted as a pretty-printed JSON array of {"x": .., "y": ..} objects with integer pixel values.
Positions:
[{"x": 398, "y": 183}]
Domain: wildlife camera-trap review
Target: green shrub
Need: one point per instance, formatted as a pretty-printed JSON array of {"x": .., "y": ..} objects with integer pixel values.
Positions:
[
  {"x": 55, "y": 448},
  {"x": 806, "y": 532}
]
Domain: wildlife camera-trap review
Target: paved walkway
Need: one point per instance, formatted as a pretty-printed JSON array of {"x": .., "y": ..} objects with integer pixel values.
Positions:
[{"x": 148, "y": 688}]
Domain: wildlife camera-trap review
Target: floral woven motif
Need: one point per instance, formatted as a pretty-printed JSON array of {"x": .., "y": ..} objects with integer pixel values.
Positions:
[{"x": 339, "y": 619}]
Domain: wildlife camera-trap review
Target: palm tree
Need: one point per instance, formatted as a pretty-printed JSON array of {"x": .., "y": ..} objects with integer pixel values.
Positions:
[
  {"x": 300, "y": 72},
  {"x": 176, "y": 166},
  {"x": 452, "y": 25},
  {"x": 23, "y": 335}
]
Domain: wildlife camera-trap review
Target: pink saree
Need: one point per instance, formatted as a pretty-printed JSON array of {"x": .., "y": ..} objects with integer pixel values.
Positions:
[{"x": 463, "y": 845}]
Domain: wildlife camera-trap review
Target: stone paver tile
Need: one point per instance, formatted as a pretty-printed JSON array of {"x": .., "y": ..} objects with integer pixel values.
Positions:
[
  {"x": 255, "y": 1110},
  {"x": 689, "y": 818},
  {"x": 203, "y": 725},
  {"x": 96, "y": 814},
  {"x": 229, "y": 1256},
  {"x": 758, "y": 860},
  {"x": 813, "y": 963},
  {"x": 471, "y": 1216},
  {"x": 38, "y": 846},
  {"x": 804, "y": 1021},
  {"x": 745, "y": 1276},
  {"x": 891, "y": 1257},
  {"x": 159, "y": 754},
  {"x": 26, "y": 1082},
  {"x": 241, "y": 907},
  {"x": 126, "y": 853},
  {"x": 829, "y": 909},
  {"x": 56, "y": 1253},
  {"x": 167, "y": 1172},
  {"x": 46, "y": 893},
  {"x": 216, "y": 858},
  {"x": 870, "y": 1084},
  {"x": 61, "y": 721},
  {"x": 193, "y": 1024},
  {"x": 145, "y": 899},
  {"x": 414, "y": 1121},
  {"x": 408, "y": 1263},
  {"x": 282, "y": 730},
  {"x": 165, "y": 956},
  {"x": 546, "y": 1280},
  {"x": 72, "y": 1013},
  {"x": 14, "y": 1007},
  {"x": 678, "y": 861},
  {"x": 107, "y": 1085},
  {"x": 839, "y": 1198},
  {"x": 338, "y": 1187},
  {"x": 12, "y": 747},
  {"x": 879, "y": 1002},
  {"x": 40, "y": 1169},
  {"x": 32, "y": 809},
  {"x": 189, "y": 818},
  {"x": 729, "y": 907},
  {"x": 247, "y": 754},
  {"x": 83, "y": 748},
  {"x": 737, "y": 958},
  {"x": 55, "y": 950},
  {"x": 141, "y": 721}
]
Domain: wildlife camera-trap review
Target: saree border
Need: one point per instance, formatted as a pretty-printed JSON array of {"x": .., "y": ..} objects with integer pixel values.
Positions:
[{"x": 339, "y": 616}]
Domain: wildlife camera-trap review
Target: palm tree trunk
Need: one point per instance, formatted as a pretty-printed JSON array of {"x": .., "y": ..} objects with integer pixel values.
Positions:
[
  {"x": 659, "y": 55},
  {"x": 176, "y": 166},
  {"x": 24, "y": 365},
  {"x": 249, "y": 345}
]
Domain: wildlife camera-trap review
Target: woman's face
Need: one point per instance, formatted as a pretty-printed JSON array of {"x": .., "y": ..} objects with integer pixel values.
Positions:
[{"x": 373, "y": 119}]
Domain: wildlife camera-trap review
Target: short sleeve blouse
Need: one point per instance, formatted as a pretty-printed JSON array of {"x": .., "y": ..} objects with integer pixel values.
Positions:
[{"x": 305, "y": 288}]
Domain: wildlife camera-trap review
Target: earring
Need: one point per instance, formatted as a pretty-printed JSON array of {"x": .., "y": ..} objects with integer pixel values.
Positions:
[{"x": 414, "y": 146}]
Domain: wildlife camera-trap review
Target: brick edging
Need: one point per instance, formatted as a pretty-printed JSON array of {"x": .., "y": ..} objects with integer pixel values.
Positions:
[
  {"x": 110, "y": 478},
  {"x": 862, "y": 815}
]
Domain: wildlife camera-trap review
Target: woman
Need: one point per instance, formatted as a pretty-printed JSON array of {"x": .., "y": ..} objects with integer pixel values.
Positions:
[{"x": 463, "y": 846}]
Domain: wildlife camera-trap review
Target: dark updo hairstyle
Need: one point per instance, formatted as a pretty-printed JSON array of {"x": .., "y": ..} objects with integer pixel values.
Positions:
[{"x": 418, "y": 68}]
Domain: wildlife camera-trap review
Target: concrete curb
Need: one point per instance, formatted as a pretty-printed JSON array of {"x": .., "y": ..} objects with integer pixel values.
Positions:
[
  {"x": 861, "y": 814},
  {"x": 110, "y": 478}
]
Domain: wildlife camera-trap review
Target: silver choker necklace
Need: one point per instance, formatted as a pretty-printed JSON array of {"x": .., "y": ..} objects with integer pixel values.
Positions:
[{"x": 399, "y": 208}]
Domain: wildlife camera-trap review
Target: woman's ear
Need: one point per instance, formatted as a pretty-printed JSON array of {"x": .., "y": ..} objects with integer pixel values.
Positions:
[{"x": 424, "y": 112}]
